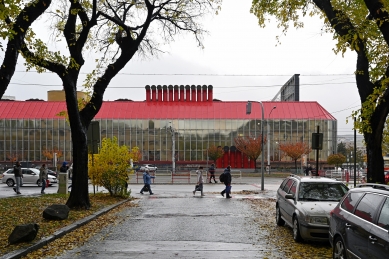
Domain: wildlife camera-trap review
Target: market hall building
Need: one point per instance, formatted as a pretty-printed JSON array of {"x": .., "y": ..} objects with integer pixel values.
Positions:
[{"x": 187, "y": 116}]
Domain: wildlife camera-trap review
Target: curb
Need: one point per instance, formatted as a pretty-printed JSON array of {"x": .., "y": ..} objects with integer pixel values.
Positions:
[{"x": 61, "y": 232}]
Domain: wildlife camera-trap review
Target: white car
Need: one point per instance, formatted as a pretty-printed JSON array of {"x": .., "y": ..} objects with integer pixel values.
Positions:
[
  {"x": 30, "y": 176},
  {"x": 148, "y": 166}
]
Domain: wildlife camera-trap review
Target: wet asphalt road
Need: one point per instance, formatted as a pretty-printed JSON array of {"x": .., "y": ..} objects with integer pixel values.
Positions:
[{"x": 175, "y": 224}]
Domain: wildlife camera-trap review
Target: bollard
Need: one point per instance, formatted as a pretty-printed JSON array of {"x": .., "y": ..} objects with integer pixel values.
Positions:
[{"x": 63, "y": 183}]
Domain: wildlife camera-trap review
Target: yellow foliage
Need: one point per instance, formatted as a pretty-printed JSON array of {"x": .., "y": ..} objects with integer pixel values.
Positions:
[{"x": 110, "y": 167}]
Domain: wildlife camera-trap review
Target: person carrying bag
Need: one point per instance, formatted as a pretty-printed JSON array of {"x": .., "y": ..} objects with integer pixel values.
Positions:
[{"x": 200, "y": 181}]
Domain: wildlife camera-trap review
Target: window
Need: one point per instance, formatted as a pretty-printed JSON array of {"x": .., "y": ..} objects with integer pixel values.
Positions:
[
  {"x": 350, "y": 201},
  {"x": 322, "y": 191},
  {"x": 283, "y": 183},
  {"x": 288, "y": 185},
  {"x": 383, "y": 220},
  {"x": 367, "y": 206},
  {"x": 293, "y": 189}
]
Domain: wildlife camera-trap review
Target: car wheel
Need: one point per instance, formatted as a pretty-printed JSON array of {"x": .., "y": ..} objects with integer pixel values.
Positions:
[
  {"x": 279, "y": 220},
  {"x": 339, "y": 251},
  {"x": 296, "y": 230},
  {"x": 10, "y": 182},
  {"x": 39, "y": 183}
]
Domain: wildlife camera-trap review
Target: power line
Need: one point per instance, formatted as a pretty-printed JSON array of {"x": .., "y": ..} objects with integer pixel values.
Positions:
[{"x": 203, "y": 74}]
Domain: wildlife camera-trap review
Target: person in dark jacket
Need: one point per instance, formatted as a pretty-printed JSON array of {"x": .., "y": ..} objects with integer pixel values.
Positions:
[
  {"x": 147, "y": 181},
  {"x": 43, "y": 176},
  {"x": 18, "y": 176},
  {"x": 211, "y": 170},
  {"x": 227, "y": 182}
]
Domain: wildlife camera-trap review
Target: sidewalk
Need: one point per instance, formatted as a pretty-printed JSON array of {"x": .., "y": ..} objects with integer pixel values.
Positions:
[{"x": 165, "y": 191}]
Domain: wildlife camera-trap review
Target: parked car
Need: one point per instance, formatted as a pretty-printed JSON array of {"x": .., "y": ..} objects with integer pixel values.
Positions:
[
  {"x": 304, "y": 204},
  {"x": 359, "y": 224},
  {"x": 30, "y": 176},
  {"x": 51, "y": 172},
  {"x": 148, "y": 166}
]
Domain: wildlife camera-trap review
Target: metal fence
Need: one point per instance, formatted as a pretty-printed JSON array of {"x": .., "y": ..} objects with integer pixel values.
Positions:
[{"x": 188, "y": 176}]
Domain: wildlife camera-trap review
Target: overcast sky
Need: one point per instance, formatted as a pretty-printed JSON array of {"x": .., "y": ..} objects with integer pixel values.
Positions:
[{"x": 240, "y": 60}]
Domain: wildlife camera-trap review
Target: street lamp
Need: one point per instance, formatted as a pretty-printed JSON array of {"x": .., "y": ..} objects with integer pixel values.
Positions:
[
  {"x": 172, "y": 131},
  {"x": 248, "y": 111},
  {"x": 268, "y": 140}
]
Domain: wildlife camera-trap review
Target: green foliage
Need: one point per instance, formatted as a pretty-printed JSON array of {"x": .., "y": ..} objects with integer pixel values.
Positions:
[
  {"x": 342, "y": 149},
  {"x": 336, "y": 159},
  {"x": 110, "y": 167},
  {"x": 214, "y": 152},
  {"x": 360, "y": 33}
]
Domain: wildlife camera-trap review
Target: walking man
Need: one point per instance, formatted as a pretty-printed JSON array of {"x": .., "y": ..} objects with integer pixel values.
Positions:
[
  {"x": 212, "y": 172},
  {"x": 18, "y": 176},
  {"x": 227, "y": 182},
  {"x": 147, "y": 181},
  {"x": 43, "y": 175}
]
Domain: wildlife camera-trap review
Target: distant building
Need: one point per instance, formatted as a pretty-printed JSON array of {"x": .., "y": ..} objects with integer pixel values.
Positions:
[{"x": 27, "y": 128}]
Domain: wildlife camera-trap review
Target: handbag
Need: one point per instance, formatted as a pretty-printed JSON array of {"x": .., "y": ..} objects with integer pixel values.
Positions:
[
  {"x": 145, "y": 189},
  {"x": 197, "y": 187},
  {"x": 47, "y": 182}
]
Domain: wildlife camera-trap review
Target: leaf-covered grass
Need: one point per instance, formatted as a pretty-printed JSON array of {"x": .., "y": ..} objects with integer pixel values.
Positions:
[{"x": 23, "y": 210}]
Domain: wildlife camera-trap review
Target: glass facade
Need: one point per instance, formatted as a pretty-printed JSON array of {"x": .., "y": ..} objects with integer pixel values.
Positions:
[{"x": 27, "y": 139}]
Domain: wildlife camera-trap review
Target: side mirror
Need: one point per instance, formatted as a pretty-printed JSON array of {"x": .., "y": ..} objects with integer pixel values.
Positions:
[{"x": 289, "y": 196}]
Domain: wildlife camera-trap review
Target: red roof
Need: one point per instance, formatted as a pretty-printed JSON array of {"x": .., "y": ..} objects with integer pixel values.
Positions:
[{"x": 170, "y": 110}]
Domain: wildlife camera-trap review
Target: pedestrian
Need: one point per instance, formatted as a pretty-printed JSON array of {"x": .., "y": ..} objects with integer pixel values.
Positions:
[
  {"x": 200, "y": 181},
  {"x": 363, "y": 180},
  {"x": 18, "y": 176},
  {"x": 211, "y": 170},
  {"x": 147, "y": 181},
  {"x": 43, "y": 175},
  {"x": 308, "y": 170},
  {"x": 227, "y": 182},
  {"x": 64, "y": 168}
]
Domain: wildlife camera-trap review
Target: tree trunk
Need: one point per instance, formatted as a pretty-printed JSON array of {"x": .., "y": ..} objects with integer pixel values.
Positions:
[
  {"x": 295, "y": 165},
  {"x": 375, "y": 161},
  {"x": 79, "y": 196}
]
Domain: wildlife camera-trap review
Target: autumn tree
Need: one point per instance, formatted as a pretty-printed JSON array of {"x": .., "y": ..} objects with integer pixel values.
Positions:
[
  {"x": 214, "y": 152},
  {"x": 49, "y": 154},
  {"x": 117, "y": 30},
  {"x": 13, "y": 157},
  {"x": 110, "y": 167},
  {"x": 295, "y": 150},
  {"x": 250, "y": 146},
  {"x": 17, "y": 17},
  {"x": 359, "y": 26},
  {"x": 336, "y": 159}
]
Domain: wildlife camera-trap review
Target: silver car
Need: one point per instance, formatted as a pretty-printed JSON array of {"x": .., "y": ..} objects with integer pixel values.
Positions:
[
  {"x": 30, "y": 176},
  {"x": 305, "y": 203}
]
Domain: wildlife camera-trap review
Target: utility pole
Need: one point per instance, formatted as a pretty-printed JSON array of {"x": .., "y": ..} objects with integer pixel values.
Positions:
[{"x": 172, "y": 131}]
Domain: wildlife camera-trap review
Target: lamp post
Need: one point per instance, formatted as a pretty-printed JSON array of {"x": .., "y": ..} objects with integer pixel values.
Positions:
[
  {"x": 248, "y": 111},
  {"x": 172, "y": 131},
  {"x": 268, "y": 141}
]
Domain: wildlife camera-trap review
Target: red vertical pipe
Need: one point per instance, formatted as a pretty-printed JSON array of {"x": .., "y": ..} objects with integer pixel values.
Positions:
[
  {"x": 164, "y": 93},
  {"x": 252, "y": 163},
  {"x": 239, "y": 159},
  {"x": 204, "y": 93},
  {"x": 199, "y": 93},
  {"x": 187, "y": 94},
  {"x": 159, "y": 90},
  {"x": 182, "y": 95},
  {"x": 210, "y": 93},
  {"x": 232, "y": 159},
  {"x": 153, "y": 93},
  {"x": 176, "y": 93},
  {"x": 193, "y": 95},
  {"x": 147, "y": 93},
  {"x": 170, "y": 91},
  {"x": 245, "y": 161}
]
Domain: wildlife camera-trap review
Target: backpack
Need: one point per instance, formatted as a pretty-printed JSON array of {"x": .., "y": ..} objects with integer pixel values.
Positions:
[{"x": 222, "y": 177}]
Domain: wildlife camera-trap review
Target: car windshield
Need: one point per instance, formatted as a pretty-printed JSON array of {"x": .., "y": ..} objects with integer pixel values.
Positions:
[{"x": 321, "y": 191}]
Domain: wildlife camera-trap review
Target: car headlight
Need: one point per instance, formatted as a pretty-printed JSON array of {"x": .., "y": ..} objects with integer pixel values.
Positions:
[{"x": 317, "y": 220}]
